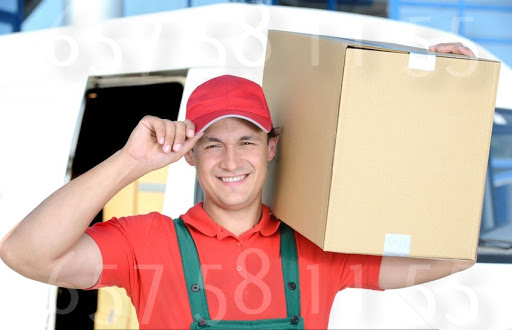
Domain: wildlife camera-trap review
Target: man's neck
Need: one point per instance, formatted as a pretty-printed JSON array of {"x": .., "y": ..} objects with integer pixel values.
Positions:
[{"x": 236, "y": 221}]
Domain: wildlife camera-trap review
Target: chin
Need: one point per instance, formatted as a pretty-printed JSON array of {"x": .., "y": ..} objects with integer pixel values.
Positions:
[
  {"x": 233, "y": 205},
  {"x": 236, "y": 204}
]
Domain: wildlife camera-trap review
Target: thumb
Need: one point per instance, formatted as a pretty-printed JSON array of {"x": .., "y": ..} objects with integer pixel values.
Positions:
[{"x": 190, "y": 143}]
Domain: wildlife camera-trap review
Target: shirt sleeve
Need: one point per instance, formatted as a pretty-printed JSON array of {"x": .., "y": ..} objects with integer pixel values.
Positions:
[
  {"x": 340, "y": 270},
  {"x": 360, "y": 271},
  {"x": 121, "y": 243}
]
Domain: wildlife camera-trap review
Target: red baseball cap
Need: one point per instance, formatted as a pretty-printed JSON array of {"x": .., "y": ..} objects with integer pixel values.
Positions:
[{"x": 227, "y": 97}]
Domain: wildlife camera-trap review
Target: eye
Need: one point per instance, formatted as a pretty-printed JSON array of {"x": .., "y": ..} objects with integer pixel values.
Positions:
[{"x": 212, "y": 146}]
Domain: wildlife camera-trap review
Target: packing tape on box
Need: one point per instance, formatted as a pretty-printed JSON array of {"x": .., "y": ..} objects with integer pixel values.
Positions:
[
  {"x": 426, "y": 62},
  {"x": 397, "y": 245}
]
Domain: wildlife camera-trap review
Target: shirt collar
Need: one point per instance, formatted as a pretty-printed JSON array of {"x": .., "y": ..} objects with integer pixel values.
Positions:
[{"x": 197, "y": 218}]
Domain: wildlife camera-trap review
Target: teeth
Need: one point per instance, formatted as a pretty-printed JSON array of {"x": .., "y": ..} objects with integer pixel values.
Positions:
[{"x": 233, "y": 179}]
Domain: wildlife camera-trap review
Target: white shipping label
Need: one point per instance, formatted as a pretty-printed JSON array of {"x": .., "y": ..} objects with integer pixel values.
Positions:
[
  {"x": 397, "y": 245},
  {"x": 426, "y": 62}
]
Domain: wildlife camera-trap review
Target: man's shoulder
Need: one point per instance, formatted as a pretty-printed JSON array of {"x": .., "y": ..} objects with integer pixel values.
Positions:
[
  {"x": 138, "y": 223},
  {"x": 136, "y": 230},
  {"x": 151, "y": 217}
]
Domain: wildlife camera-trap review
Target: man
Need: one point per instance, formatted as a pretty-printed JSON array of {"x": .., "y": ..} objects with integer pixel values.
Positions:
[{"x": 254, "y": 270}]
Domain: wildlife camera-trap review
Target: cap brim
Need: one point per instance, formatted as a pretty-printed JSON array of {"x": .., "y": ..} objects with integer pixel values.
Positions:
[{"x": 202, "y": 123}]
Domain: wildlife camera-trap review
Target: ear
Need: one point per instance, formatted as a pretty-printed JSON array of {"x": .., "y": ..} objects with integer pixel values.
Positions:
[
  {"x": 272, "y": 148},
  {"x": 189, "y": 157}
]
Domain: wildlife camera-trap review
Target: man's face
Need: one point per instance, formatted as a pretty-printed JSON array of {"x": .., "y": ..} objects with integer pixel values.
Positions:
[{"x": 231, "y": 163}]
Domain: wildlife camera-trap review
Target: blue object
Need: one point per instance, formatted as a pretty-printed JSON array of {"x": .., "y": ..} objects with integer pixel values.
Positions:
[
  {"x": 489, "y": 24},
  {"x": 11, "y": 13}
]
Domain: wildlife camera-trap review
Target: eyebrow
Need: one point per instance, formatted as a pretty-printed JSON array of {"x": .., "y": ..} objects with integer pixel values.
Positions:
[
  {"x": 250, "y": 138},
  {"x": 210, "y": 139},
  {"x": 242, "y": 138}
]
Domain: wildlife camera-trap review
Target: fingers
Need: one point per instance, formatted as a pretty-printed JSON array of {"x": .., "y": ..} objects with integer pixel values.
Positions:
[
  {"x": 183, "y": 130},
  {"x": 190, "y": 143},
  {"x": 454, "y": 48},
  {"x": 171, "y": 135},
  {"x": 190, "y": 128},
  {"x": 179, "y": 136},
  {"x": 466, "y": 51},
  {"x": 446, "y": 47},
  {"x": 156, "y": 127}
]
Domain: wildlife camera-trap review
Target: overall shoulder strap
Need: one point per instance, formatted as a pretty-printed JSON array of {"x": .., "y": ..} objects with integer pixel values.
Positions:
[
  {"x": 192, "y": 272},
  {"x": 290, "y": 270}
]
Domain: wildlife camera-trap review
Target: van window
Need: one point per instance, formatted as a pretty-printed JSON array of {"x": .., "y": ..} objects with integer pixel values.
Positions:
[{"x": 496, "y": 229}]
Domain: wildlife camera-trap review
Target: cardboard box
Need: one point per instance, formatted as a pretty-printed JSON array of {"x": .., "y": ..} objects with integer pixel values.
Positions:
[{"x": 384, "y": 148}]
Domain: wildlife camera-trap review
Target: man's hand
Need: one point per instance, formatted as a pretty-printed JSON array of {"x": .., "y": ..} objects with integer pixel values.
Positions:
[
  {"x": 156, "y": 142},
  {"x": 452, "y": 47}
]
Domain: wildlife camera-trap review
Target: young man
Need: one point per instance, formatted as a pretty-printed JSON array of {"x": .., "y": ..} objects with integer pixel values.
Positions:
[{"x": 253, "y": 267}]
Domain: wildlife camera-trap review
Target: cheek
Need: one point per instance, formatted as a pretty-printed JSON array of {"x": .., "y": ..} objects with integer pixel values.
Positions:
[
  {"x": 205, "y": 165},
  {"x": 260, "y": 161},
  {"x": 199, "y": 164}
]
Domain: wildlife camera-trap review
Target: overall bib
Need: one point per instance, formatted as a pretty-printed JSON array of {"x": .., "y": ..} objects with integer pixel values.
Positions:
[{"x": 197, "y": 296}]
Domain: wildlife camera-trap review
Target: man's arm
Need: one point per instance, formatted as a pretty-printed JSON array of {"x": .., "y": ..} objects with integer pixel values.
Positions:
[
  {"x": 401, "y": 272},
  {"x": 50, "y": 246}
]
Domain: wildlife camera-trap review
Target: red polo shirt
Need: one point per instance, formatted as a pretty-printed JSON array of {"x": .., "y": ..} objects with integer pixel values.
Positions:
[{"x": 243, "y": 275}]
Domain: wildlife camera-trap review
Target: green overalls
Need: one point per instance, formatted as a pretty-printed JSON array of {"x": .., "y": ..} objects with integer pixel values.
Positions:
[{"x": 197, "y": 296}]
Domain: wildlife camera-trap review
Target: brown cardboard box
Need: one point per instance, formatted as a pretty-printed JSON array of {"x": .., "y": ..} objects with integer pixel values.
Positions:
[{"x": 384, "y": 148}]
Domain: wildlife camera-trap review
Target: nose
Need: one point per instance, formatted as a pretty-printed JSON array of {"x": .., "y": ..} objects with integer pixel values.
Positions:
[{"x": 230, "y": 159}]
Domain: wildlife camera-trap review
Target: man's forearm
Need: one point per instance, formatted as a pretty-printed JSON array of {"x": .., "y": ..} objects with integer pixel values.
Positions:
[
  {"x": 57, "y": 224},
  {"x": 400, "y": 272}
]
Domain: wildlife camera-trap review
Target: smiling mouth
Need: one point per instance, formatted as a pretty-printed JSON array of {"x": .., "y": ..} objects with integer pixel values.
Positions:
[{"x": 233, "y": 178}]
